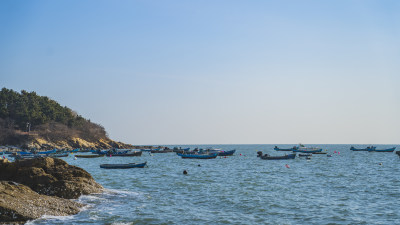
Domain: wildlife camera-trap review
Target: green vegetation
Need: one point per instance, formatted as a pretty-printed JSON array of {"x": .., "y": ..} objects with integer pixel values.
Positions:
[{"x": 27, "y": 111}]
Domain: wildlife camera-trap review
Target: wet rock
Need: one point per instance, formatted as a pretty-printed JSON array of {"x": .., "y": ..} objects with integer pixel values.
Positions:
[
  {"x": 19, "y": 203},
  {"x": 50, "y": 176}
]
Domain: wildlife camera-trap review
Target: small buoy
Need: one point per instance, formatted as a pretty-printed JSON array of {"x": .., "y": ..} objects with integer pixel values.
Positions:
[
  {"x": 240, "y": 153},
  {"x": 225, "y": 157},
  {"x": 287, "y": 166},
  {"x": 334, "y": 151},
  {"x": 75, "y": 158},
  {"x": 338, "y": 153},
  {"x": 199, "y": 165},
  {"x": 380, "y": 164},
  {"x": 185, "y": 172}
]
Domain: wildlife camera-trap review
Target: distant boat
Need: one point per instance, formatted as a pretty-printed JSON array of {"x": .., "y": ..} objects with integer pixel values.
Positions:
[
  {"x": 89, "y": 156},
  {"x": 125, "y": 154},
  {"x": 40, "y": 153},
  {"x": 227, "y": 153},
  {"x": 276, "y": 148},
  {"x": 307, "y": 150},
  {"x": 58, "y": 155},
  {"x": 268, "y": 157},
  {"x": 161, "y": 150},
  {"x": 123, "y": 166},
  {"x": 221, "y": 152},
  {"x": 305, "y": 154},
  {"x": 385, "y": 150},
  {"x": 368, "y": 149},
  {"x": 198, "y": 156}
]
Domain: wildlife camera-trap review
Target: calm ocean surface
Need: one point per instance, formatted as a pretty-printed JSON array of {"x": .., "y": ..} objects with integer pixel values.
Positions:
[{"x": 347, "y": 188}]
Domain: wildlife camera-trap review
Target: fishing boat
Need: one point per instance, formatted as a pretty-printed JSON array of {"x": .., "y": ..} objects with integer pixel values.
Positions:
[
  {"x": 307, "y": 150},
  {"x": 220, "y": 152},
  {"x": 89, "y": 156},
  {"x": 227, "y": 153},
  {"x": 165, "y": 150},
  {"x": 198, "y": 156},
  {"x": 320, "y": 153},
  {"x": 135, "y": 153},
  {"x": 305, "y": 154},
  {"x": 276, "y": 148},
  {"x": 58, "y": 155},
  {"x": 385, "y": 150},
  {"x": 368, "y": 149},
  {"x": 268, "y": 157},
  {"x": 40, "y": 153},
  {"x": 123, "y": 166}
]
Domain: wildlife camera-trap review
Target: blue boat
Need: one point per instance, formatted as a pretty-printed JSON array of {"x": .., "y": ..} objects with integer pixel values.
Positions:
[
  {"x": 385, "y": 150},
  {"x": 198, "y": 156},
  {"x": 219, "y": 152},
  {"x": 268, "y": 157},
  {"x": 367, "y": 149},
  {"x": 276, "y": 148},
  {"x": 41, "y": 153},
  {"x": 123, "y": 166},
  {"x": 227, "y": 153},
  {"x": 307, "y": 150},
  {"x": 75, "y": 150}
]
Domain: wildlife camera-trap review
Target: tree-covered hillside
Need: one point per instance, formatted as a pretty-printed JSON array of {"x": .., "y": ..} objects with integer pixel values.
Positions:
[{"x": 43, "y": 117}]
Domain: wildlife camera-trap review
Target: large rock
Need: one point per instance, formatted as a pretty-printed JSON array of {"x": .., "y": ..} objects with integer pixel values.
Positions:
[
  {"x": 50, "y": 176},
  {"x": 18, "y": 204}
]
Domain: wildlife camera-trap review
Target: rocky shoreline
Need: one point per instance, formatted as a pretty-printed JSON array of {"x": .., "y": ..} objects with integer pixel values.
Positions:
[{"x": 32, "y": 188}]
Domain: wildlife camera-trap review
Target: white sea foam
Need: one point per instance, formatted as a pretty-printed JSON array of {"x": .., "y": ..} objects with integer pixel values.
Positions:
[{"x": 48, "y": 218}]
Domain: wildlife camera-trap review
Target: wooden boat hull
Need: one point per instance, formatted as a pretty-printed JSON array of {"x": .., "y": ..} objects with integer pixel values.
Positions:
[
  {"x": 267, "y": 157},
  {"x": 307, "y": 150},
  {"x": 276, "y": 148},
  {"x": 385, "y": 150},
  {"x": 137, "y": 153},
  {"x": 226, "y": 153},
  {"x": 59, "y": 155},
  {"x": 368, "y": 149},
  {"x": 198, "y": 156},
  {"x": 162, "y": 151},
  {"x": 123, "y": 166},
  {"x": 89, "y": 156}
]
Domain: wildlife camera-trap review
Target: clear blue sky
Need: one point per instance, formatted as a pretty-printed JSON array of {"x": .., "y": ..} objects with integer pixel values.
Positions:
[{"x": 212, "y": 72}]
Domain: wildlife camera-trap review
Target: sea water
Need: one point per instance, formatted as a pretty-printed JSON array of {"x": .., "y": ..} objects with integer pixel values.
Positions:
[{"x": 347, "y": 188}]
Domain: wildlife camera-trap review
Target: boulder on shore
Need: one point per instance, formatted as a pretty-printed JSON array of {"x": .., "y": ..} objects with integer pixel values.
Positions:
[
  {"x": 50, "y": 176},
  {"x": 18, "y": 204}
]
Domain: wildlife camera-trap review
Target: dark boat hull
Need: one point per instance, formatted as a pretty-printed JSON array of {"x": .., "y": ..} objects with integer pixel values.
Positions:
[
  {"x": 267, "y": 157},
  {"x": 138, "y": 153},
  {"x": 385, "y": 150},
  {"x": 198, "y": 156},
  {"x": 123, "y": 166},
  {"x": 226, "y": 153},
  {"x": 89, "y": 156}
]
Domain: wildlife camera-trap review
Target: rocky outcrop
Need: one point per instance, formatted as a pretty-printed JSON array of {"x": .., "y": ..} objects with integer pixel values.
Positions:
[
  {"x": 50, "y": 176},
  {"x": 72, "y": 143},
  {"x": 19, "y": 203}
]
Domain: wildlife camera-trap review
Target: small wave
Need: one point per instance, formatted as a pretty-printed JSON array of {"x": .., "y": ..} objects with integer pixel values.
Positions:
[
  {"x": 124, "y": 193},
  {"x": 48, "y": 218}
]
